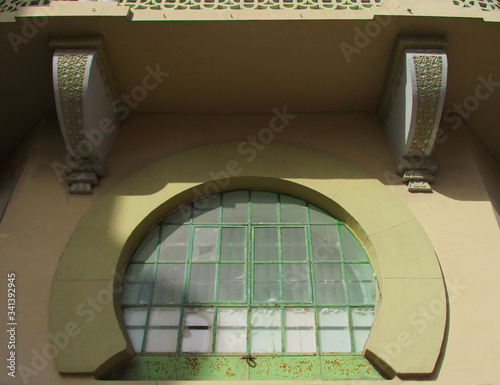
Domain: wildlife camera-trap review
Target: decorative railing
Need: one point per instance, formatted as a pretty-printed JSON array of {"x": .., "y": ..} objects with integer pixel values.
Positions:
[
  {"x": 252, "y": 4},
  {"x": 221, "y": 5}
]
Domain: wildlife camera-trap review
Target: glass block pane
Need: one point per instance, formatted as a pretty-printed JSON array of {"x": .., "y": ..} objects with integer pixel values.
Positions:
[
  {"x": 352, "y": 249},
  {"x": 329, "y": 283},
  {"x": 362, "y": 317},
  {"x": 181, "y": 215},
  {"x": 139, "y": 273},
  {"x": 266, "y": 244},
  {"x": 266, "y": 283},
  {"x": 359, "y": 272},
  {"x": 300, "y": 341},
  {"x": 162, "y": 340},
  {"x": 360, "y": 337},
  {"x": 325, "y": 243},
  {"x": 232, "y": 317},
  {"x": 327, "y": 272},
  {"x": 295, "y": 283},
  {"x": 135, "y": 316},
  {"x": 299, "y": 317},
  {"x": 330, "y": 317},
  {"x": 235, "y": 207},
  {"x": 146, "y": 252},
  {"x": 231, "y": 340},
  {"x": 361, "y": 292},
  {"x": 233, "y": 244},
  {"x": 293, "y": 210},
  {"x": 334, "y": 341},
  {"x": 174, "y": 240},
  {"x": 169, "y": 285},
  {"x": 197, "y": 331},
  {"x": 265, "y": 340},
  {"x": 207, "y": 209},
  {"x": 265, "y": 318},
  {"x": 136, "y": 336},
  {"x": 137, "y": 284},
  {"x": 231, "y": 282},
  {"x": 318, "y": 215},
  {"x": 136, "y": 293},
  {"x": 205, "y": 243},
  {"x": 293, "y": 240},
  {"x": 264, "y": 207},
  {"x": 202, "y": 283},
  {"x": 168, "y": 316}
]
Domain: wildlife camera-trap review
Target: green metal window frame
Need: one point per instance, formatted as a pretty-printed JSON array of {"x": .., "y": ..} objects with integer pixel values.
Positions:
[{"x": 263, "y": 366}]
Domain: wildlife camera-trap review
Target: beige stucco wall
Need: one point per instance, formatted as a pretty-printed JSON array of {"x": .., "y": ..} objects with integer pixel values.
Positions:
[{"x": 457, "y": 217}]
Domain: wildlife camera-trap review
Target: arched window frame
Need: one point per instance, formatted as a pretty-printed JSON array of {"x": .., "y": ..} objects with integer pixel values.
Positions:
[
  {"x": 97, "y": 253},
  {"x": 305, "y": 237}
]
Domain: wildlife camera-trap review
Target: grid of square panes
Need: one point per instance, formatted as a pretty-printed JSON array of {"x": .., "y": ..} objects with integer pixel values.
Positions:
[{"x": 249, "y": 272}]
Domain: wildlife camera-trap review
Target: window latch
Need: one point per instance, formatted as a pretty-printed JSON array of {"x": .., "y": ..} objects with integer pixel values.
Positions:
[{"x": 250, "y": 360}]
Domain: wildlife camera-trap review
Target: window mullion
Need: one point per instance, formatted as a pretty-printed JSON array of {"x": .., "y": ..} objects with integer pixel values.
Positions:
[{"x": 346, "y": 291}]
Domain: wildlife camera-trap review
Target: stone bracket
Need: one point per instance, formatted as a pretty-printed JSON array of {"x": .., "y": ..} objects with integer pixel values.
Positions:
[
  {"x": 87, "y": 95},
  {"x": 411, "y": 105}
]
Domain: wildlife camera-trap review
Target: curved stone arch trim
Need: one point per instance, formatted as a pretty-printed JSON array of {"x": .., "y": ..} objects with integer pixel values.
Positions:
[{"x": 85, "y": 298}]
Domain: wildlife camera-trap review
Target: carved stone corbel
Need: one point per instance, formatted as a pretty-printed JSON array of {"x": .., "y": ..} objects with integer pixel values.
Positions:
[
  {"x": 411, "y": 105},
  {"x": 86, "y": 92}
]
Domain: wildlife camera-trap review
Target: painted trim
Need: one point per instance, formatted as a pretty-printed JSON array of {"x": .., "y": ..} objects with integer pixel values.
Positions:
[{"x": 86, "y": 308}]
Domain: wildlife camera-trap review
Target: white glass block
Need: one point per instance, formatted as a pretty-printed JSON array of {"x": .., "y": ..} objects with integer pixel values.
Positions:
[
  {"x": 169, "y": 285},
  {"x": 325, "y": 243},
  {"x": 202, "y": 283},
  {"x": 231, "y": 282},
  {"x": 198, "y": 338},
  {"x": 233, "y": 244},
  {"x": 266, "y": 283},
  {"x": 265, "y": 341},
  {"x": 295, "y": 283},
  {"x": 264, "y": 207},
  {"x": 136, "y": 336},
  {"x": 265, "y": 317},
  {"x": 352, "y": 249},
  {"x": 293, "y": 240},
  {"x": 318, "y": 215},
  {"x": 362, "y": 316},
  {"x": 334, "y": 341},
  {"x": 266, "y": 244},
  {"x": 293, "y": 210},
  {"x": 162, "y": 340},
  {"x": 362, "y": 292},
  {"x": 333, "y": 316},
  {"x": 300, "y": 341},
  {"x": 359, "y": 272},
  {"x": 146, "y": 252},
  {"x": 174, "y": 239},
  {"x": 295, "y": 317},
  {"x": 207, "y": 210},
  {"x": 360, "y": 337},
  {"x": 136, "y": 293},
  {"x": 232, "y": 316},
  {"x": 181, "y": 215},
  {"x": 135, "y": 316},
  {"x": 235, "y": 207},
  {"x": 231, "y": 340},
  {"x": 206, "y": 240},
  {"x": 330, "y": 293},
  {"x": 166, "y": 316}
]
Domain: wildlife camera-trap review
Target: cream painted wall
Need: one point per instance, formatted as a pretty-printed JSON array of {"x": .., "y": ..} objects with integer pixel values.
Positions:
[{"x": 457, "y": 217}]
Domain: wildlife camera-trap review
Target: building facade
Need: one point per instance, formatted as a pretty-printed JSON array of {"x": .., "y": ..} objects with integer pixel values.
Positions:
[{"x": 247, "y": 191}]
